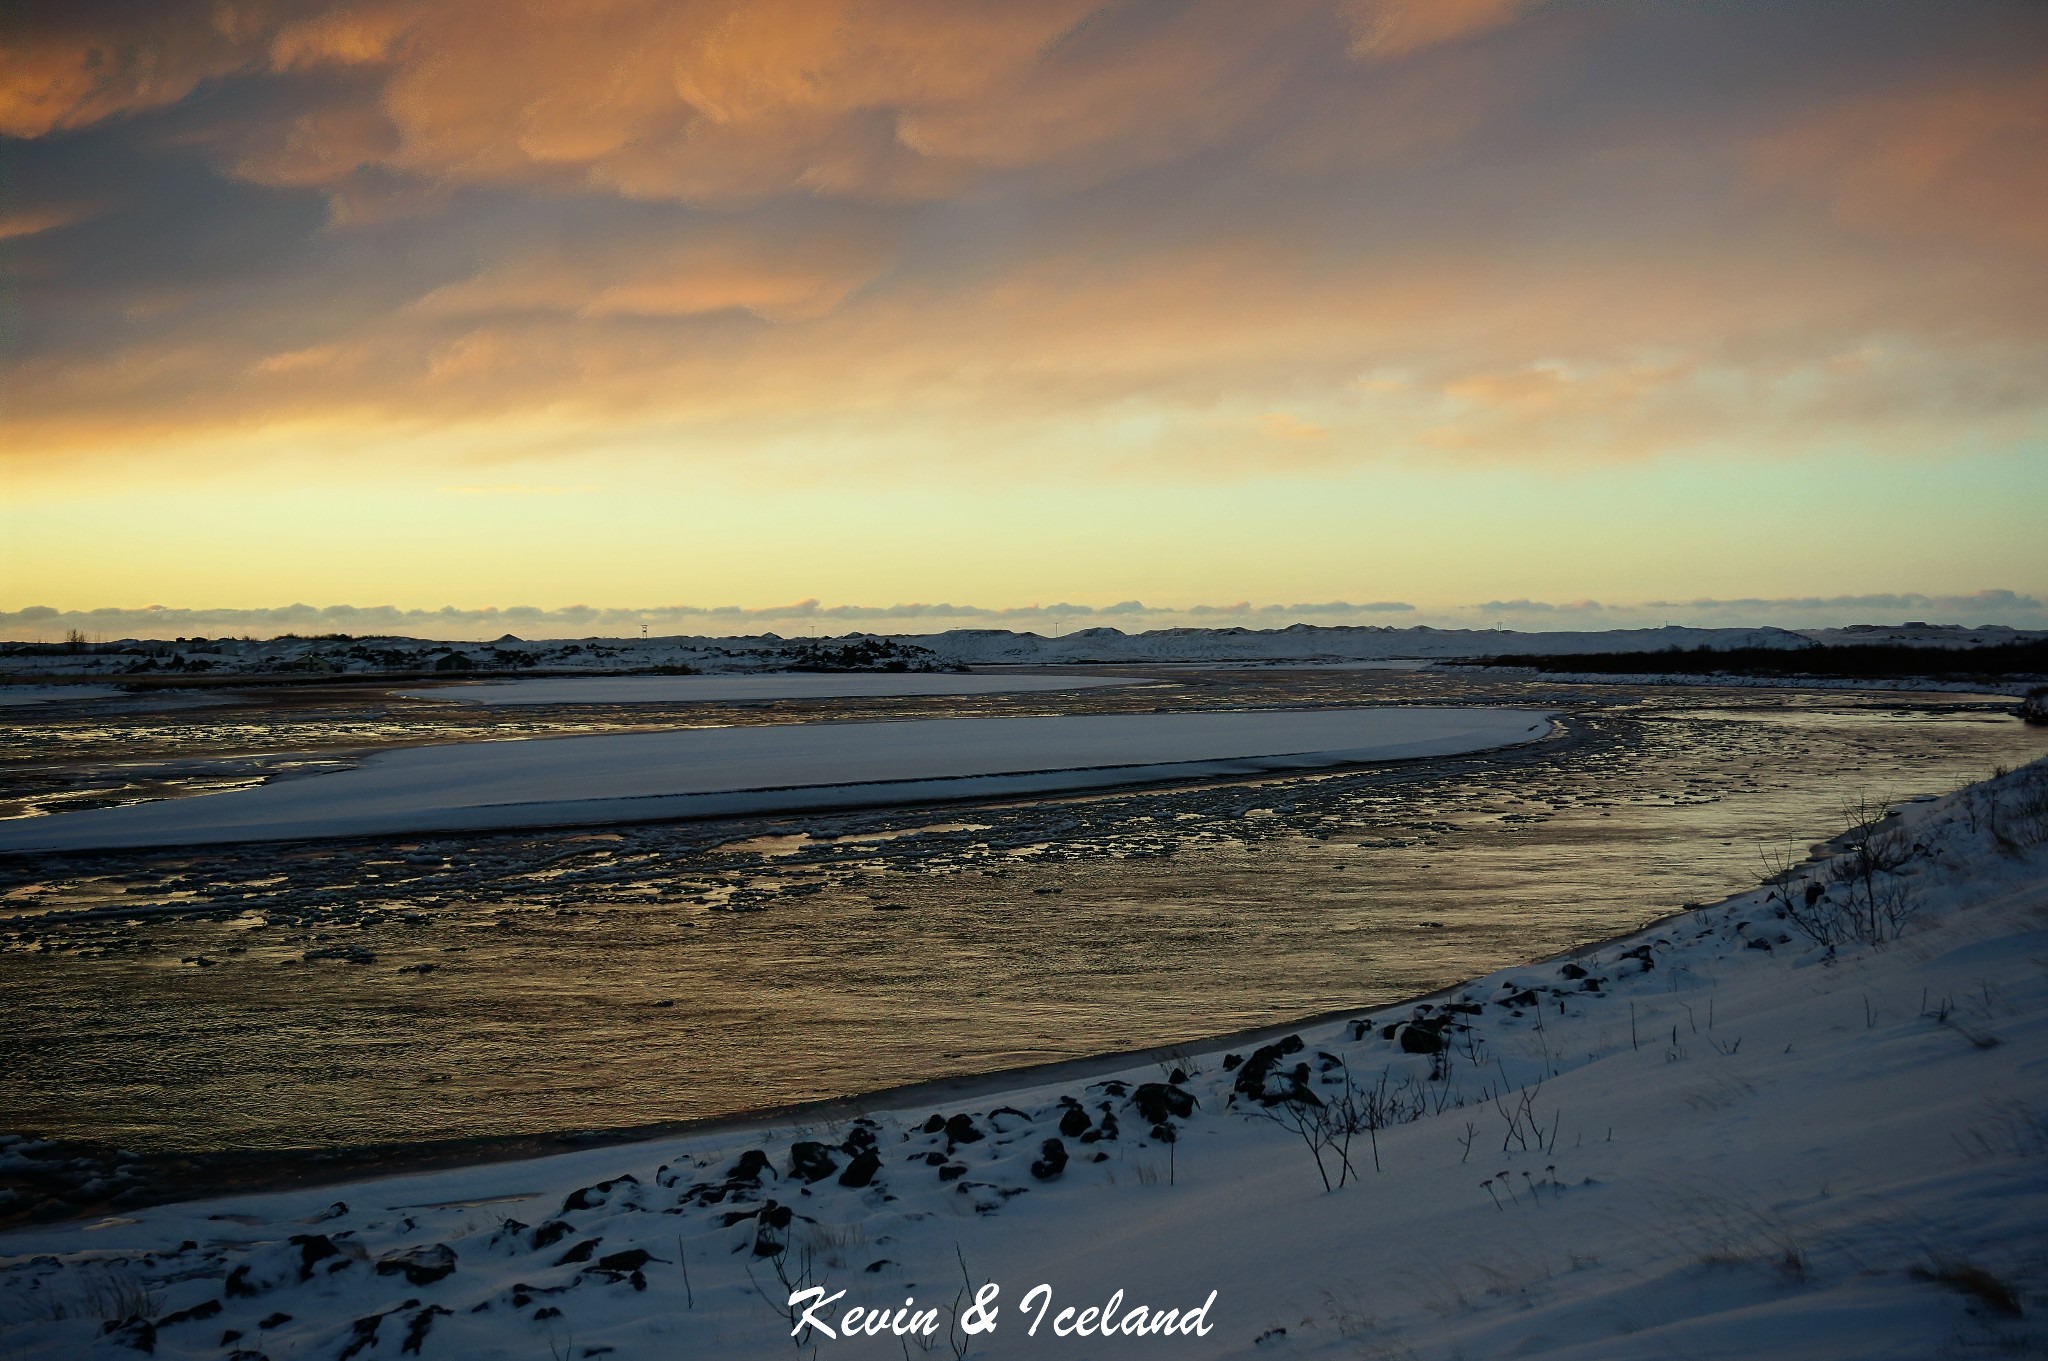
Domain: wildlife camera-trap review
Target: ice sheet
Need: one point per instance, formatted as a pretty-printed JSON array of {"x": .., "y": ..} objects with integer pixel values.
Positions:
[{"x": 722, "y": 771}]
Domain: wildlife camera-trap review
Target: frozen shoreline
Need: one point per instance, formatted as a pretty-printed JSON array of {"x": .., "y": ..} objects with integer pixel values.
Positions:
[
  {"x": 709, "y": 772},
  {"x": 1725, "y": 1148},
  {"x": 763, "y": 686}
]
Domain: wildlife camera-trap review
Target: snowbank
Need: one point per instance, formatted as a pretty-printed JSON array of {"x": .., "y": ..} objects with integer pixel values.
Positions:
[
  {"x": 711, "y": 689},
  {"x": 17, "y": 696},
  {"x": 1718, "y": 1138},
  {"x": 727, "y": 771}
]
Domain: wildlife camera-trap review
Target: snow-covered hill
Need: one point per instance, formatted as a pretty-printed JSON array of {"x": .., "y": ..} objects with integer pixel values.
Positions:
[
  {"x": 1810, "y": 1121},
  {"x": 855, "y": 652}
]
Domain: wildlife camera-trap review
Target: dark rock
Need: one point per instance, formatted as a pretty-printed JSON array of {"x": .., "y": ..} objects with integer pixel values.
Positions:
[
  {"x": 203, "y": 1309},
  {"x": 417, "y": 1327},
  {"x": 769, "y": 1239},
  {"x": 1156, "y": 1101},
  {"x": 237, "y": 1285},
  {"x": 1177, "y": 1076},
  {"x": 1074, "y": 1123},
  {"x": 1230, "y": 1061},
  {"x": 810, "y": 1161},
  {"x": 935, "y": 1124},
  {"x": 580, "y": 1253},
  {"x": 334, "y": 1211},
  {"x": 862, "y": 1169},
  {"x": 960, "y": 1130},
  {"x": 1573, "y": 971},
  {"x": 546, "y": 1312},
  {"x": 952, "y": 1171},
  {"x": 1424, "y": 1037},
  {"x": 277, "y": 1320},
  {"x": 313, "y": 1247},
  {"x": 1051, "y": 1161},
  {"x": 551, "y": 1233},
  {"x": 631, "y": 1260},
  {"x": 138, "y": 1333},
  {"x": 364, "y": 1330},
  {"x": 420, "y": 1266},
  {"x": 749, "y": 1168},
  {"x": 878, "y": 1264},
  {"x": 1258, "y": 1077},
  {"x": 591, "y": 1197}
]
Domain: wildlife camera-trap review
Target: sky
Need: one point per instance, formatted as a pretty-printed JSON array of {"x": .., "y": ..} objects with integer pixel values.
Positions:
[{"x": 1030, "y": 313}]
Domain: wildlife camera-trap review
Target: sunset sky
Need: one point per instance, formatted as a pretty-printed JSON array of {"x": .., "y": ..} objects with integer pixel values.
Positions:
[{"x": 1359, "y": 311}]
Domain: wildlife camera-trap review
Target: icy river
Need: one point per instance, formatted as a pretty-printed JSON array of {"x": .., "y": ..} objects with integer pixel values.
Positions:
[{"x": 478, "y": 985}]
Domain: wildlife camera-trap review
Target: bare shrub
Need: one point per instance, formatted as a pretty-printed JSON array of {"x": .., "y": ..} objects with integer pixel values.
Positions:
[
  {"x": 1327, "y": 1128},
  {"x": 1973, "y": 1281},
  {"x": 2018, "y": 813},
  {"x": 1857, "y": 896}
]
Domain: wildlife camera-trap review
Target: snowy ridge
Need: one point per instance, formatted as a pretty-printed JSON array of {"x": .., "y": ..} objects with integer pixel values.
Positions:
[
  {"x": 1299, "y": 644},
  {"x": 1809, "y": 1121},
  {"x": 1316, "y": 643},
  {"x": 768, "y": 652}
]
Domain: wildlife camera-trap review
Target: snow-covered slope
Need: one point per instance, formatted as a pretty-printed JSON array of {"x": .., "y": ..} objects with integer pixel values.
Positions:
[{"x": 1717, "y": 1138}]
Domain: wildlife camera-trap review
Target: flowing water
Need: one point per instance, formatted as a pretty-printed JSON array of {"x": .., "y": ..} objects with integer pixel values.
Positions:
[{"x": 490, "y": 985}]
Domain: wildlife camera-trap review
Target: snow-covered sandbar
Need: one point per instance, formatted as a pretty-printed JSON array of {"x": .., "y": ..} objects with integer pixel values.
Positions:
[
  {"x": 778, "y": 685},
  {"x": 727, "y": 771}
]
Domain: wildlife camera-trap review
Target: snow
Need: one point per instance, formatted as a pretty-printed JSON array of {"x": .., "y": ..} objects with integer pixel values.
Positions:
[
  {"x": 726, "y": 771},
  {"x": 715, "y": 689},
  {"x": 1735, "y": 1152},
  {"x": 16, "y": 696}
]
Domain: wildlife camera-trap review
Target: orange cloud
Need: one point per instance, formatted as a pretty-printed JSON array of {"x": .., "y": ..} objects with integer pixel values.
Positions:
[
  {"x": 777, "y": 277},
  {"x": 1966, "y": 158},
  {"x": 1159, "y": 235},
  {"x": 35, "y": 221},
  {"x": 64, "y": 71},
  {"x": 352, "y": 35},
  {"x": 1386, "y": 29}
]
